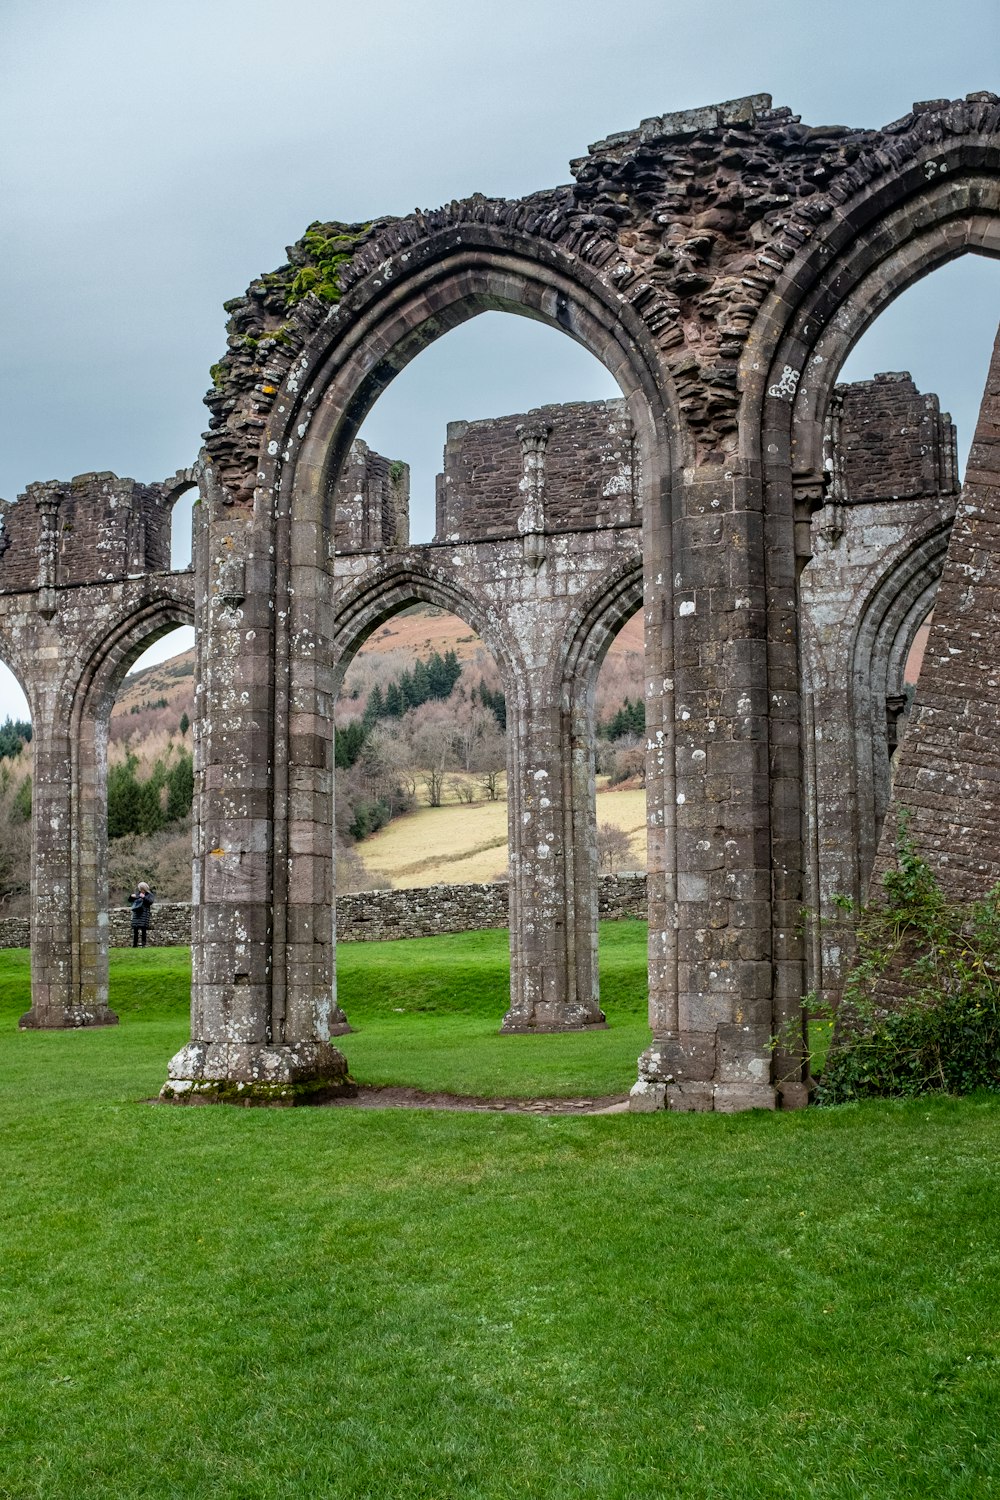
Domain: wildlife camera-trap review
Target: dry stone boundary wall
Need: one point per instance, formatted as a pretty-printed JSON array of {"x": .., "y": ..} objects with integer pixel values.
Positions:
[{"x": 376, "y": 916}]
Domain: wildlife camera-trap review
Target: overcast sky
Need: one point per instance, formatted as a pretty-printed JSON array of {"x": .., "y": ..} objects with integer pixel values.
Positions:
[{"x": 155, "y": 157}]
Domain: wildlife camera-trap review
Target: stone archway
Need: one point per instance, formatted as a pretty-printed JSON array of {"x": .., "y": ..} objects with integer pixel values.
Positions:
[
  {"x": 901, "y": 209},
  {"x": 69, "y": 941},
  {"x": 705, "y": 304},
  {"x": 287, "y": 995},
  {"x": 594, "y": 624}
]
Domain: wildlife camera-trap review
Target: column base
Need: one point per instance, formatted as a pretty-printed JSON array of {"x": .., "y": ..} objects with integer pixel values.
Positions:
[
  {"x": 257, "y": 1074},
  {"x": 546, "y": 1019},
  {"x": 681, "y": 1072},
  {"x": 67, "y": 1018}
]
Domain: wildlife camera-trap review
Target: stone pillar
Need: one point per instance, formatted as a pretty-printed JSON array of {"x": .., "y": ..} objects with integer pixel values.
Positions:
[
  {"x": 262, "y": 980},
  {"x": 534, "y": 438},
  {"x": 714, "y": 1052},
  {"x": 47, "y": 500},
  {"x": 69, "y": 983},
  {"x": 579, "y": 760},
  {"x": 552, "y": 971},
  {"x": 305, "y": 1010}
]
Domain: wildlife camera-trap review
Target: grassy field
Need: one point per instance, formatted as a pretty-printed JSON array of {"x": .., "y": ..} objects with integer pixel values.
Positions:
[
  {"x": 426, "y": 1014},
  {"x": 458, "y": 842},
  {"x": 415, "y": 1305}
]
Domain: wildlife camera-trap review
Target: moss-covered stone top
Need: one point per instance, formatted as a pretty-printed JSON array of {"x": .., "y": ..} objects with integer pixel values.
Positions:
[{"x": 266, "y": 327}]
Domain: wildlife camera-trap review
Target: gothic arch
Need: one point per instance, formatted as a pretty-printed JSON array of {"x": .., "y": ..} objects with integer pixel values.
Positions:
[
  {"x": 900, "y": 599},
  {"x": 882, "y": 244},
  {"x": 90, "y": 684},
  {"x": 384, "y": 319},
  {"x": 391, "y": 588},
  {"x": 86, "y": 699},
  {"x": 896, "y": 213},
  {"x": 597, "y": 619},
  {"x": 593, "y": 625}
]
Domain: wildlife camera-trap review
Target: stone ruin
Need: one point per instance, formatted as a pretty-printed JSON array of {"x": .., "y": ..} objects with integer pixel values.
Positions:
[{"x": 783, "y": 535}]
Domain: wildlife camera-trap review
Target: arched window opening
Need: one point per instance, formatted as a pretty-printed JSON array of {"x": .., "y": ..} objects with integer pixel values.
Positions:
[
  {"x": 15, "y": 797},
  {"x": 620, "y": 751},
  {"x": 422, "y": 754},
  {"x": 899, "y": 424},
  {"x": 150, "y": 772},
  {"x": 182, "y": 529},
  {"x": 941, "y": 331},
  {"x": 490, "y": 365}
]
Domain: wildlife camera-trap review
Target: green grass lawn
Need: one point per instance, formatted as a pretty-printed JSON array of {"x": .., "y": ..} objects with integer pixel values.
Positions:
[
  {"x": 426, "y": 1013},
  {"x": 287, "y": 1303}
]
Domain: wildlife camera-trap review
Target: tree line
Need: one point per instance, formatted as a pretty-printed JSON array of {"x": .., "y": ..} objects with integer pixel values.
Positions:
[
  {"x": 13, "y": 734},
  {"x": 144, "y": 805},
  {"x": 431, "y": 678}
]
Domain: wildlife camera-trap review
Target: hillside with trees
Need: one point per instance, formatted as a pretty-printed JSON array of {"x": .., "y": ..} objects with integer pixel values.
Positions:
[{"x": 420, "y": 723}]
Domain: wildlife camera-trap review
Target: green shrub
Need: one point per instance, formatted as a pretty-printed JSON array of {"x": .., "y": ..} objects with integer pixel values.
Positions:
[{"x": 943, "y": 961}]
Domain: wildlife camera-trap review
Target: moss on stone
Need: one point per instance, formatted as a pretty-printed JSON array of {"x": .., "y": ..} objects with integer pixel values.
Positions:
[
  {"x": 262, "y": 1095},
  {"x": 328, "y": 249}
]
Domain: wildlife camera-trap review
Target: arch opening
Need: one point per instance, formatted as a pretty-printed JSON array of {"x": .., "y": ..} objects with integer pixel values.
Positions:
[
  {"x": 131, "y": 781},
  {"x": 546, "y": 994},
  {"x": 182, "y": 515},
  {"x": 487, "y": 367},
  {"x": 16, "y": 766},
  {"x": 892, "y": 462},
  {"x": 421, "y": 737}
]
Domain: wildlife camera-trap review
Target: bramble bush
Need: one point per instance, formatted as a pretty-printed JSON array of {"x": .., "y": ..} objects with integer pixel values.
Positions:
[{"x": 942, "y": 960}]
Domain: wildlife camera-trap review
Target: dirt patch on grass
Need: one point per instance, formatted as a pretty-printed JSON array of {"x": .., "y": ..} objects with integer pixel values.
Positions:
[{"x": 392, "y": 1097}]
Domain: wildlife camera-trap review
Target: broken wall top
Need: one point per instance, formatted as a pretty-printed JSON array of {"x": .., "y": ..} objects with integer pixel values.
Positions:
[
  {"x": 587, "y": 452},
  {"x": 690, "y": 219},
  {"x": 890, "y": 441},
  {"x": 94, "y": 528}
]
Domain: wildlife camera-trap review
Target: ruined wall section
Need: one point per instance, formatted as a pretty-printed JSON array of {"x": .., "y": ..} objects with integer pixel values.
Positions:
[
  {"x": 92, "y": 529},
  {"x": 590, "y": 471},
  {"x": 947, "y": 779},
  {"x": 890, "y": 442},
  {"x": 371, "y": 505},
  {"x": 877, "y": 550},
  {"x": 690, "y": 219}
]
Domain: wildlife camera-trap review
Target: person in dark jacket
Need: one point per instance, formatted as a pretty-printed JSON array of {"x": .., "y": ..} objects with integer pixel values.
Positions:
[{"x": 140, "y": 901}]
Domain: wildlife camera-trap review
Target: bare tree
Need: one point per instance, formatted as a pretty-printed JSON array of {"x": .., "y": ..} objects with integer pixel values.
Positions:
[
  {"x": 492, "y": 783},
  {"x": 434, "y": 753},
  {"x": 488, "y": 761},
  {"x": 613, "y": 846}
]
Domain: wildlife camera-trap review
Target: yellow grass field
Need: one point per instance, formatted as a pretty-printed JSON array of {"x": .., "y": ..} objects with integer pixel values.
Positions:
[{"x": 459, "y": 843}]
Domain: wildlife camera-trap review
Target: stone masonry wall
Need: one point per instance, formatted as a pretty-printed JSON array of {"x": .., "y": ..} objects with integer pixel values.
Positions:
[
  {"x": 170, "y": 927},
  {"x": 891, "y": 442},
  {"x": 92, "y": 529},
  {"x": 372, "y": 502},
  {"x": 377, "y": 916},
  {"x": 589, "y": 471}
]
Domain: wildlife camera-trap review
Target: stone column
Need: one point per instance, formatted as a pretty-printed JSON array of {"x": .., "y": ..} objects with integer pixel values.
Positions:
[
  {"x": 69, "y": 985},
  {"x": 553, "y": 976},
  {"x": 552, "y": 969},
  {"x": 262, "y": 996},
  {"x": 713, "y": 1052},
  {"x": 579, "y": 760}
]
